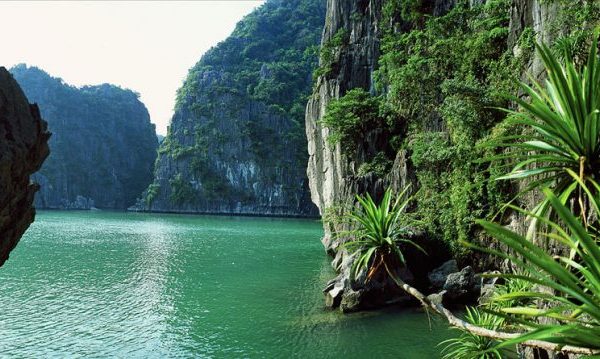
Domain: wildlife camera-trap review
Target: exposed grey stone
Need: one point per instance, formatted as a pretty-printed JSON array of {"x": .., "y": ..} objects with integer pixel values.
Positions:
[
  {"x": 473, "y": 3},
  {"x": 437, "y": 298},
  {"x": 351, "y": 301},
  {"x": 333, "y": 297},
  {"x": 438, "y": 276},
  {"x": 462, "y": 286}
]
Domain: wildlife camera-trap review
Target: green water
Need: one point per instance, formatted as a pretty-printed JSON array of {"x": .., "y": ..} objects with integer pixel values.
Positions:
[{"x": 105, "y": 284}]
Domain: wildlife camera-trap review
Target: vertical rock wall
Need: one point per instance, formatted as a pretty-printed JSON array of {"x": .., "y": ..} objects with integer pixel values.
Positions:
[
  {"x": 330, "y": 172},
  {"x": 236, "y": 142},
  {"x": 333, "y": 177},
  {"x": 103, "y": 144},
  {"x": 23, "y": 148}
]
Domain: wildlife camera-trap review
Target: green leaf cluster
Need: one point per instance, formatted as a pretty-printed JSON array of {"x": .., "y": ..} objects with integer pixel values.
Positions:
[
  {"x": 444, "y": 79},
  {"x": 564, "y": 121},
  {"x": 350, "y": 117},
  {"x": 471, "y": 346},
  {"x": 573, "y": 303},
  {"x": 378, "y": 234}
]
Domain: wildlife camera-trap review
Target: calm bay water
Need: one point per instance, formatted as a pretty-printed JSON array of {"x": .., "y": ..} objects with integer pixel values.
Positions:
[{"x": 106, "y": 284}]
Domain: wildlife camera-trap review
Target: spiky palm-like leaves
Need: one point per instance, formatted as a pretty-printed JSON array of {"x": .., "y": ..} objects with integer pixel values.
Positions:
[
  {"x": 471, "y": 346},
  {"x": 378, "y": 233},
  {"x": 573, "y": 303},
  {"x": 564, "y": 116}
]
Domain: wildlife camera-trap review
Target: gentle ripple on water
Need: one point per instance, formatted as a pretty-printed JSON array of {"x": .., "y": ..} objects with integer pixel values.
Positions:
[{"x": 103, "y": 284}]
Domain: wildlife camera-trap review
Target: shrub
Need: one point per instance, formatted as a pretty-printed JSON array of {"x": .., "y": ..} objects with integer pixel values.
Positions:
[
  {"x": 349, "y": 117},
  {"x": 379, "y": 165},
  {"x": 378, "y": 234},
  {"x": 470, "y": 346}
]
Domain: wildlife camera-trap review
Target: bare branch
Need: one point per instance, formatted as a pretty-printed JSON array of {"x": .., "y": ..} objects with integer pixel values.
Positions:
[{"x": 483, "y": 332}]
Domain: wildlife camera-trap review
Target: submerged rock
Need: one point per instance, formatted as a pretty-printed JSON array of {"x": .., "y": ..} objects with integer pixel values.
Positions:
[
  {"x": 23, "y": 149},
  {"x": 351, "y": 301}
]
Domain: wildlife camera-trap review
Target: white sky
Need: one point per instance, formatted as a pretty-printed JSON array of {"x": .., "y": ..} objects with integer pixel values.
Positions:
[{"x": 141, "y": 45}]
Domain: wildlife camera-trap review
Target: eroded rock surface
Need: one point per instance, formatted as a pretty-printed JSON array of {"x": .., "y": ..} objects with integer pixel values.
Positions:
[
  {"x": 236, "y": 144},
  {"x": 23, "y": 149},
  {"x": 334, "y": 177}
]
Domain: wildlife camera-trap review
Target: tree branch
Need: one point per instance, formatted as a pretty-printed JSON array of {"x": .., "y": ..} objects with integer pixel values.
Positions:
[{"x": 483, "y": 332}]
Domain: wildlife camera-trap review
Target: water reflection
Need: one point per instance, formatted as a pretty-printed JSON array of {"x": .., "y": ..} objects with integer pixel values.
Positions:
[{"x": 107, "y": 284}]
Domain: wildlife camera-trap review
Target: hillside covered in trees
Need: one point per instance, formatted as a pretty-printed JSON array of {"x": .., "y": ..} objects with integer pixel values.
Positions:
[
  {"x": 103, "y": 145},
  {"x": 236, "y": 142}
]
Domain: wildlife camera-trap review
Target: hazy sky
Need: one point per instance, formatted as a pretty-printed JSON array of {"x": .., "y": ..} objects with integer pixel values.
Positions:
[{"x": 144, "y": 46}]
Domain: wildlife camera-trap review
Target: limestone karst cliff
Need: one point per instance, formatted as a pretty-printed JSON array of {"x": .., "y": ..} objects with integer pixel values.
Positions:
[
  {"x": 103, "y": 144},
  {"x": 236, "y": 142},
  {"x": 437, "y": 70},
  {"x": 23, "y": 149}
]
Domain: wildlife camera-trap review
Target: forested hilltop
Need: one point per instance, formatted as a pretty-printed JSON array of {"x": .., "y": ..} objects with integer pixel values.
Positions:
[
  {"x": 408, "y": 93},
  {"x": 236, "y": 142},
  {"x": 103, "y": 145}
]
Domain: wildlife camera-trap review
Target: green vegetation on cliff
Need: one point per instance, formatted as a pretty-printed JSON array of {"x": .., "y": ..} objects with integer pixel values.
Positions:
[
  {"x": 103, "y": 144},
  {"x": 445, "y": 89},
  {"x": 237, "y": 141},
  {"x": 440, "y": 82},
  {"x": 267, "y": 57}
]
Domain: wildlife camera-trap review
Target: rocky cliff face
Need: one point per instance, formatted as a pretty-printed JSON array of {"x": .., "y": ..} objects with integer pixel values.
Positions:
[
  {"x": 332, "y": 174},
  {"x": 393, "y": 52},
  {"x": 236, "y": 143},
  {"x": 103, "y": 144},
  {"x": 23, "y": 148}
]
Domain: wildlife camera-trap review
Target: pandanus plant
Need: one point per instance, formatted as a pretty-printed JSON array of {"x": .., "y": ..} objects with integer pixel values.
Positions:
[
  {"x": 564, "y": 138},
  {"x": 379, "y": 233},
  {"x": 572, "y": 307},
  {"x": 471, "y": 346}
]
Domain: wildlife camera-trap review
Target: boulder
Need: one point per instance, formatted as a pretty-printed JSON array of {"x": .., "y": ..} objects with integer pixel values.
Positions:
[
  {"x": 462, "y": 287},
  {"x": 438, "y": 276},
  {"x": 351, "y": 301},
  {"x": 333, "y": 293}
]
